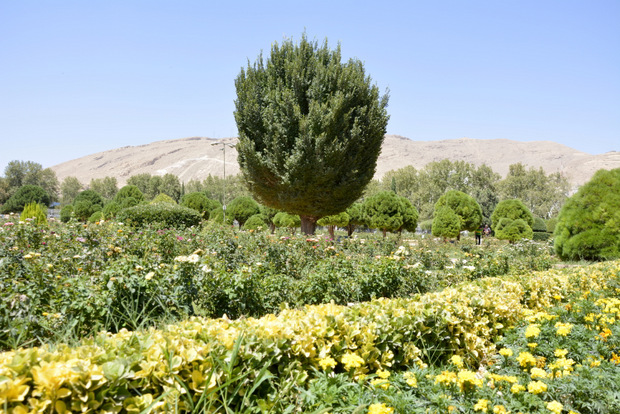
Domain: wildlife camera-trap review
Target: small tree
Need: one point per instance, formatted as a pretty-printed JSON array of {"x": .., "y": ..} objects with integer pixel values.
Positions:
[
  {"x": 34, "y": 211},
  {"x": 291, "y": 221},
  {"x": 465, "y": 207},
  {"x": 26, "y": 194},
  {"x": 513, "y": 209},
  {"x": 163, "y": 198},
  {"x": 333, "y": 221},
  {"x": 356, "y": 217},
  {"x": 268, "y": 214},
  {"x": 588, "y": 225},
  {"x": 129, "y": 192},
  {"x": 446, "y": 223},
  {"x": 383, "y": 211},
  {"x": 242, "y": 208},
  {"x": 310, "y": 129},
  {"x": 256, "y": 223},
  {"x": 513, "y": 230},
  {"x": 200, "y": 202},
  {"x": 410, "y": 215}
]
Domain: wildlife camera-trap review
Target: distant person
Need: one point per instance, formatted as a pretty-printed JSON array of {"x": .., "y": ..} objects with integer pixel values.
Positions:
[
  {"x": 478, "y": 234},
  {"x": 487, "y": 230}
]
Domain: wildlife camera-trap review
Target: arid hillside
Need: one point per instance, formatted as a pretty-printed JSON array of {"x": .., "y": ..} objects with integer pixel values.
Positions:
[{"x": 197, "y": 157}]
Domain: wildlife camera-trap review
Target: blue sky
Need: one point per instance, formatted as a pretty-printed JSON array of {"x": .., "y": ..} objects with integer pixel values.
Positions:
[{"x": 80, "y": 77}]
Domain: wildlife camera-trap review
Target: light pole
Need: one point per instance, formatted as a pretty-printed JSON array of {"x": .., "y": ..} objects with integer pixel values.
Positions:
[{"x": 224, "y": 145}]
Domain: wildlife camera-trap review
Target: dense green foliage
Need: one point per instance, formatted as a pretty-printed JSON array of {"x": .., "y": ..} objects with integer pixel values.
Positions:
[
  {"x": 333, "y": 221},
  {"x": 410, "y": 215},
  {"x": 26, "y": 194},
  {"x": 110, "y": 210},
  {"x": 69, "y": 189},
  {"x": 446, "y": 223},
  {"x": 36, "y": 212},
  {"x": 286, "y": 220},
  {"x": 21, "y": 173},
  {"x": 384, "y": 211},
  {"x": 66, "y": 212},
  {"x": 464, "y": 206},
  {"x": 200, "y": 202},
  {"x": 512, "y": 209},
  {"x": 129, "y": 196},
  {"x": 589, "y": 224},
  {"x": 242, "y": 208},
  {"x": 152, "y": 185},
  {"x": 513, "y": 230},
  {"x": 163, "y": 198},
  {"x": 310, "y": 129},
  {"x": 256, "y": 223},
  {"x": 107, "y": 187},
  {"x": 161, "y": 214}
]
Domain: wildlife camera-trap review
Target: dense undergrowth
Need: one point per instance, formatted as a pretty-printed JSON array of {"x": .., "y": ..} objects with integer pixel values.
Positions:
[{"x": 64, "y": 282}]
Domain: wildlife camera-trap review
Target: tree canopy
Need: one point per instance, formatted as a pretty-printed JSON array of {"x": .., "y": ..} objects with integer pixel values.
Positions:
[
  {"x": 588, "y": 226},
  {"x": 310, "y": 129},
  {"x": 464, "y": 206}
]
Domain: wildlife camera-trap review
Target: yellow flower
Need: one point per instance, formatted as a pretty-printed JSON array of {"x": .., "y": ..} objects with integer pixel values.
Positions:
[
  {"x": 615, "y": 358},
  {"x": 517, "y": 388},
  {"x": 351, "y": 360},
  {"x": 327, "y": 362},
  {"x": 538, "y": 373},
  {"x": 446, "y": 378},
  {"x": 380, "y": 383},
  {"x": 506, "y": 352},
  {"x": 383, "y": 374},
  {"x": 468, "y": 380},
  {"x": 555, "y": 407},
  {"x": 525, "y": 359},
  {"x": 499, "y": 409},
  {"x": 560, "y": 353},
  {"x": 532, "y": 331},
  {"x": 532, "y": 345},
  {"x": 457, "y": 361},
  {"x": 563, "y": 329},
  {"x": 482, "y": 405},
  {"x": 410, "y": 379},
  {"x": 536, "y": 387},
  {"x": 605, "y": 334},
  {"x": 380, "y": 408}
]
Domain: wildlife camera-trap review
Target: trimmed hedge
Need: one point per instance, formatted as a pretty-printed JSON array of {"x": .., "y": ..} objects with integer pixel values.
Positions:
[{"x": 169, "y": 215}]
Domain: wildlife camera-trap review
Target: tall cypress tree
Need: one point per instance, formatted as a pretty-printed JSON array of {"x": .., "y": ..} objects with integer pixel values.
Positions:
[{"x": 310, "y": 129}]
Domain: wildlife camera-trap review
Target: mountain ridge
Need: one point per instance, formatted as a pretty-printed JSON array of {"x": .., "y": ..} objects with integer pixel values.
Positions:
[{"x": 197, "y": 157}]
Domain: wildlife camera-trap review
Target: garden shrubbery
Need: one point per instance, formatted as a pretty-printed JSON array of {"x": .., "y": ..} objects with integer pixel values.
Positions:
[{"x": 163, "y": 214}]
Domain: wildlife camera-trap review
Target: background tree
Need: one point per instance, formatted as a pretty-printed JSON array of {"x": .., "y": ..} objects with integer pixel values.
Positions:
[
  {"x": 513, "y": 210},
  {"x": 20, "y": 173},
  {"x": 129, "y": 196},
  {"x": 465, "y": 207},
  {"x": 268, "y": 214},
  {"x": 446, "y": 223},
  {"x": 6, "y": 191},
  {"x": 356, "y": 217},
  {"x": 200, "y": 202},
  {"x": 163, "y": 198},
  {"x": 86, "y": 203},
  {"x": 242, "y": 208},
  {"x": 513, "y": 230},
  {"x": 410, "y": 215},
  {"x": 107, "y": 186},
  {"x": 256, "y": 223},
  {"x": 588, "y": 225},
  {"x": 142, "y": 182},
  {"x": 333, "y": 221},
  {"x": 383, "y": 211},
  {"x": 310, "y": 129},
  {"x": 540, "y": 230},
  {"x": 26, "y": 194},
  {"x": 69, "y": 189},
  {"x": 286, "y": 220}
]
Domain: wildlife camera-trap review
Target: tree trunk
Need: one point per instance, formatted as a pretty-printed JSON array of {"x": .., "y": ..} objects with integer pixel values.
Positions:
[
  {"x": 330, "y": 229},
  {"x": 308, "y": 224},
  {"x": 384, "y": 233},
  {"x": 350, "y": 229},
  {"x": 272, "y": 227}
]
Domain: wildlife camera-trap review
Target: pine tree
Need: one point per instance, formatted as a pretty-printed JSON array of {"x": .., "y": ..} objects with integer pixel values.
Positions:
[{"x": 310, "y": 129}]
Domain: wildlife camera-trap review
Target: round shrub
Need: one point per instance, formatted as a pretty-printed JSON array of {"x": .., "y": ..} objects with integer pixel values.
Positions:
[
  {"x": 24, "y": 195},
  {"x": 513, "y": 230},
  {"x": 200, "y": 202},
  {"x": 589, "y": 223},
  {"x": 95, "y": 217},
  {"x": 513, "y": 209},
  {"x": 242, "y": 208},
  {"x": 90, "y": 196},
  {"x": 163, "y": 198},
  {"x": 164, "y": 214},
  {"x": 129, "y": 192},
  {"x": 83, "y": 209},
  {"x": 256, "y": 222},
  {"x": 110, "y": 210},
  {"x": 539, "y": 225},
  {"x": 446, "y": 223},
  {"x": 65, "y": 213},
  {"x": 464, "y": 206}
]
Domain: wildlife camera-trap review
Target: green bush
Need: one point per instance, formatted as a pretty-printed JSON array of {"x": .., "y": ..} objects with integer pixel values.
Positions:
[
  {"x": 201, "y": 203},
  {"x": 90, "y": 196},
  {"x": 95, "y": 217},
  {"x": 242, "y": 208},
  {"x": 541, "y": 236},
  {"x": 34, "y": 211},
  {"x": 83, "y": 209},
  {"x": 65, "y": 213},
  {"x": 446, "y": 223},
  {"x": 131, "y": 192},
  {"x": 539, "y": 225},
  {"x": 164, "y": 214},
  {"x": 163, "y": 198},
  {"x": 26, "y": 194},
  {"x": 283, "y": 219},
  {"x": 513, "y": 209},
  {"x": 513, "y": 230},
  {"x": 464, "y": 206},
  {"x": 110, "y": 210},
  {"x": 589, "y": 223},
  {"x": 256, "y": 222}
]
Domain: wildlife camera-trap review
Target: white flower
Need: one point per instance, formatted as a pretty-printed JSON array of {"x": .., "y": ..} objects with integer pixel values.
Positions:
[{"x": 206, "y": 269}]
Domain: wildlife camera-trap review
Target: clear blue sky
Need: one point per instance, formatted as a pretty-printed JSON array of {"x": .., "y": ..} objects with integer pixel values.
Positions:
[{"x": 79, "y": 77}]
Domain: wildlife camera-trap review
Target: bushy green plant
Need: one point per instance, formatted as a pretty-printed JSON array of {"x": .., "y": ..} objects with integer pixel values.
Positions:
[
  {"x": 163, "y": 198},
  {"x": 34, "y": 211},
  {"x": 256, "y": 222},
  {"x": 65, "y": 213},
  {"x": 83, "y": 209},
  {"x": 200, "y": 202},
  {"x": 446, "y": 223},
  {"x": 95, "y": 217},
  {"x": 130, "y": 192},
  {"x": 465, "y": 207},
  {"x": 589, "y": 223},
  {"x": 512, "y": 209},
  {"x": 242, "y": 208},
  {"x": 286, "y": 220},
  {"x": 89, "y": 196},
  {"x": 333, "y": 221},
  {"x": 513, "y": 230},
  {"x": 163, "y": 214},
  {"x": 110, "y": 210},
  {"x": 24, "y": 195},
  {"x": 383, "y": 211}
]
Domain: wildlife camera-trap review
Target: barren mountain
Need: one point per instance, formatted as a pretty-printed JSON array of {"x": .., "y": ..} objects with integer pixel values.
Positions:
[{"x": 197, "y": 157}]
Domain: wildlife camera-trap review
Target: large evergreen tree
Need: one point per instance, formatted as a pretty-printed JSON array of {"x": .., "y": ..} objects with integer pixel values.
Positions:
[
  {"x": 310, "y": 129},
  {"x": 465, "y": 207}
]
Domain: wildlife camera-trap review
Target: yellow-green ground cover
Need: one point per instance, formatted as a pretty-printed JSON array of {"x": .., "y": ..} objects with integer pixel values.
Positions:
[{"x": 543, "y": 342}]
